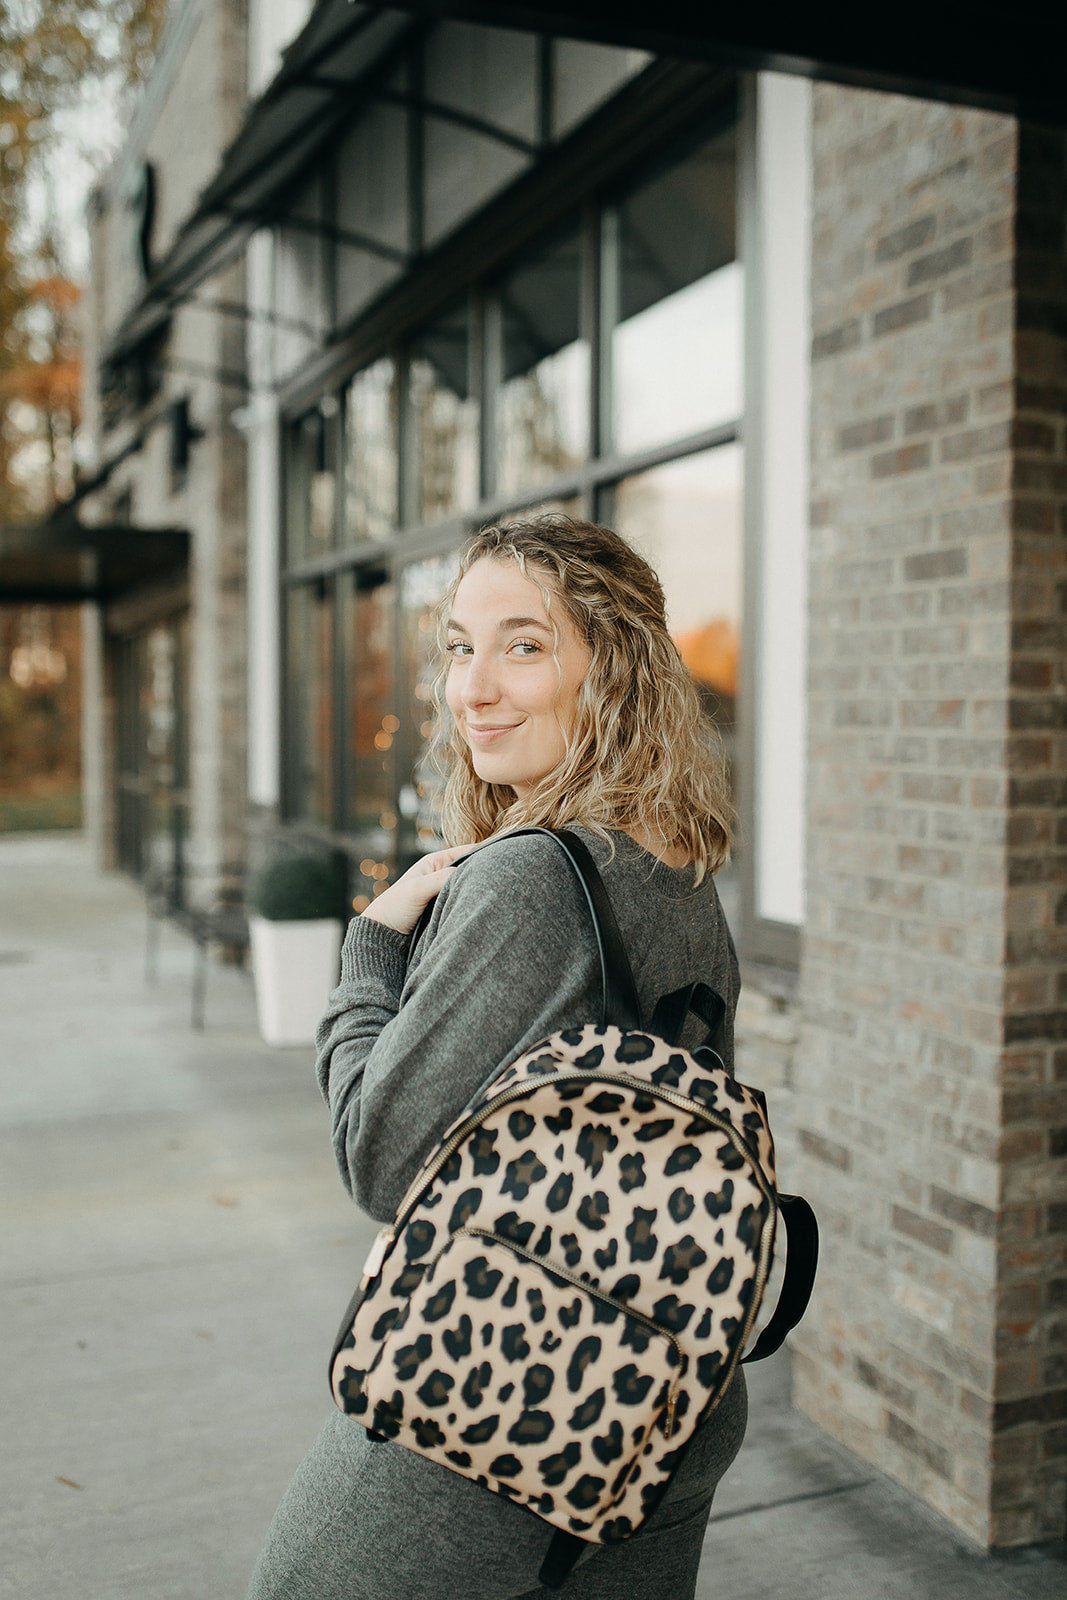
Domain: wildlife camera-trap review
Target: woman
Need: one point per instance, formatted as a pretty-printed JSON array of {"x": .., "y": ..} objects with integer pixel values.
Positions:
[{"x": 566, "y": 705}]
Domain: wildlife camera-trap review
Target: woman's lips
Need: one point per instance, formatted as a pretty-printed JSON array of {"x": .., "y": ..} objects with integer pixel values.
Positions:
[{"x": 489, "y": 735}]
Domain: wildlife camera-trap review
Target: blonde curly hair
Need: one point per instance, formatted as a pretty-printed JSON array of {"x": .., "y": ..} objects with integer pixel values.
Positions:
[{"x": 641, "y": 757}]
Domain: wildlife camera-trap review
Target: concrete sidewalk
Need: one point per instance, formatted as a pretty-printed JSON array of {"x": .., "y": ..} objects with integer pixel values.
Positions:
[{"x": 177, "y": 1253}]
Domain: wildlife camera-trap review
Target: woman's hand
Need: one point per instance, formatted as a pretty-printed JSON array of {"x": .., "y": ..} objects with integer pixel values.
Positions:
[{"x": 402, "y": 904}]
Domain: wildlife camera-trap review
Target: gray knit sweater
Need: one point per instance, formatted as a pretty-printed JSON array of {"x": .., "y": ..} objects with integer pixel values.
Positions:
[{"x": 411, "y": 1036}]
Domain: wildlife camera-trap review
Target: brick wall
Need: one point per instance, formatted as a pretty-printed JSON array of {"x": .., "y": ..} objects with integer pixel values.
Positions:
[
  {"x": 924, "y": 1078},
  {"x": 1029, "y": 1445}
]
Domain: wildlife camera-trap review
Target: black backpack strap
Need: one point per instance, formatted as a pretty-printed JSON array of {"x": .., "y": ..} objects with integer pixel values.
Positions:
[
  {"x": 620, "y": 1003},
  {"x": 668, "y": 1019},
  {"x": 802, "y": 1258},
  {"x": 563, "y": 1551}
]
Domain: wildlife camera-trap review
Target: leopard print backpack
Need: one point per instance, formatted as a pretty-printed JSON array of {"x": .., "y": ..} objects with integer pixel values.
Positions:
[{"x": 571, "y": 1279}]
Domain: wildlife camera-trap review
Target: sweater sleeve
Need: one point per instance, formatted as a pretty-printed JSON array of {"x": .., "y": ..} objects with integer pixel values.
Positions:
[{"x": 509, "y": 957}]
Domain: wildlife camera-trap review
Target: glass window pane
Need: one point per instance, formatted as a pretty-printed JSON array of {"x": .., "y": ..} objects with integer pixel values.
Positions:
[
  {"x": 585, "y": 75},
  {"x": 372, "y": 204},
  {"x": 677, "y": 346},
  {"x": 685, "y": 518},
  {"x": 371, "y": 452},
  {"x": 462, "y": 170},
  {"x": 444, "y": 420},
  {"x": 422, "y": 585},
  {"x": 310, "y": 712},
  {"x": 543, "y": 404},
  {"x": 373, "y": 723},
  {"x": 489, "y": 73},
  {"x": 311, "y": 486},
  {"x": 301, "y": 274}
]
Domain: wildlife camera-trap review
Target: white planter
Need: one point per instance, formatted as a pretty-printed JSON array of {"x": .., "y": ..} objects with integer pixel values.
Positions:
[{"x": 294, "y": 965}]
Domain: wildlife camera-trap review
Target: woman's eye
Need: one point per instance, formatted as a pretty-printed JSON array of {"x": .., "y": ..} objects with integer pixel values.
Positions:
[
  {"x": 457, "y": 647},
  {"x": 526, "y": 647}
]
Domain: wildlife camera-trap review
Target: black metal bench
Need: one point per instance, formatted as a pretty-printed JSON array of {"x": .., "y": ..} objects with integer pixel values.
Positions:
[{"x": 222, "y": 923}]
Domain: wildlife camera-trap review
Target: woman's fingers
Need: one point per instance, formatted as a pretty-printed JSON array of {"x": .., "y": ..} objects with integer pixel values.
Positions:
[{"x": 402, "y": 904}]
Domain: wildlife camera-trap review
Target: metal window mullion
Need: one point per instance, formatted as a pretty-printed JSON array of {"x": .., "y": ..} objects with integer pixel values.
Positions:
[
  {"x": 339, "y": 670},
  {"x": 399, "y": 746},
  {"x": 546, "y": 88},
  {"x": 416, "y": 152},
  {"x": 589, "y": 325},
  {"x": 608, "y": 299},
  {"x": 329, "y": 208},
  {"x": 409, "y": 462},
  {"x": 492, "y": 374},
  {"x": 286, "y": 435}
]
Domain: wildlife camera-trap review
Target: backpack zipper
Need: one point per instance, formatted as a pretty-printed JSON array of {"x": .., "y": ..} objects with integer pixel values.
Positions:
[
  {"x": 597, "y": 1294},
  {"x": 518, "y": 1091},
  {"x": 386, "y": 1237}
]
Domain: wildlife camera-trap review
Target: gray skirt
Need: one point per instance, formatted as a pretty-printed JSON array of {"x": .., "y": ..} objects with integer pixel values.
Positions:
[{"x": 366, "y": 1521}]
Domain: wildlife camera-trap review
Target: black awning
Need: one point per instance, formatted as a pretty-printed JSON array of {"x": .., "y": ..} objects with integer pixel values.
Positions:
[
  {"x": 985, "y": 53},
  {"x": 61, "y": 562},
  {"x": 313, "y": 91}
]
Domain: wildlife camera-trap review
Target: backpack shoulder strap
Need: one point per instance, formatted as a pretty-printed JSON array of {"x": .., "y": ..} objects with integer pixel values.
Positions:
[{"x": 619, "y": 1003}]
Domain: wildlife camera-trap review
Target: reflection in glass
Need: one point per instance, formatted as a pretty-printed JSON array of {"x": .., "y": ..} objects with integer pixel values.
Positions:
[
  {"x": 373, "y": 723},
  {"x": 543, "y": 404},
  {"x": 685, "y": 518},
  {"x": 310, "y": 701},
  {"x": 371, "y": 452},
  {"x": 444, "y": 420},
  {"x": 422, "y": 586},
  {"x": 677, "y": 345},
  {"x": 311, "y": 481}
]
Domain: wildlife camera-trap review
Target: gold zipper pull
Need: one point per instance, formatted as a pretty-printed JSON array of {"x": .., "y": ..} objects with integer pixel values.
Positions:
[
  {"x": 668, "y": 1420},
  {"x": 376, "y": 1256}
]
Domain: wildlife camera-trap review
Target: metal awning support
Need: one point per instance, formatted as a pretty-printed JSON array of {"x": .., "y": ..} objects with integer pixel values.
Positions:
[{"x": 61, "y": 562}]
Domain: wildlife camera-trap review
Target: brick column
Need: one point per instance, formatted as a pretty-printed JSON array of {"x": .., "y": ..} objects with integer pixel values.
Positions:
[
  {"x": 1029, "y": 1444},
  {"x": 932, "y": 1001}
]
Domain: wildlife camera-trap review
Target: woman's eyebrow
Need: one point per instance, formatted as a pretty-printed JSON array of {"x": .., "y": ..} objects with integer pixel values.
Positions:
[{"x": 508, "y": 624}]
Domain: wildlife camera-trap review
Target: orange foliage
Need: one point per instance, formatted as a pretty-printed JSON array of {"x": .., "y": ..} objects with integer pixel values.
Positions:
[
  {"x": 710, "y": 653},
  {"x": 56, "y": 291}
]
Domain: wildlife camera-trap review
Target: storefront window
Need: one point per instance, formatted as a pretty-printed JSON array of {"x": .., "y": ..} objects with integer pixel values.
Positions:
[
  {"x": 422, "y": 586},
  {"x": 311, "y": 706},
  {"x": 495, "y": 407},
  {"x": 371, "y": 453},
  {"x": 443, "y": 458},
  {"x": 311, "y": 482},
  {"x": 543, "y": 405},
  {"x": 677, "y": 346},
  {"x": 685, "y": 518},
  {"x": 372, "y": 720}
]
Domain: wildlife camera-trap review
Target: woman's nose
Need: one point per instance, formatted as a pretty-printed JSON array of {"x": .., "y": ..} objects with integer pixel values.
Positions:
[{"x": 480, "y": 685}]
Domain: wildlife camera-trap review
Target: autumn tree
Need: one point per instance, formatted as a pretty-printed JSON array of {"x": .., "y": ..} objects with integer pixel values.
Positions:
[
  {"x": 51, "y": 53},
  {"x": 54, "y": 54}
]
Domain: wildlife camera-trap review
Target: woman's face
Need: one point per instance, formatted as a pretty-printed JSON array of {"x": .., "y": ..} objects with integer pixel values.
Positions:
[{"x": 513, "y": 681}]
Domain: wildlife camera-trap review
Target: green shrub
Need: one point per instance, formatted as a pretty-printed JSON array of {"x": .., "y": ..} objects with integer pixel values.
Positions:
[{"x": 296, "y": 889}]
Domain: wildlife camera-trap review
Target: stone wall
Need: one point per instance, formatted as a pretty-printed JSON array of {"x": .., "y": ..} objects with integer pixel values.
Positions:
[{"x": 932, "y": 792}]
